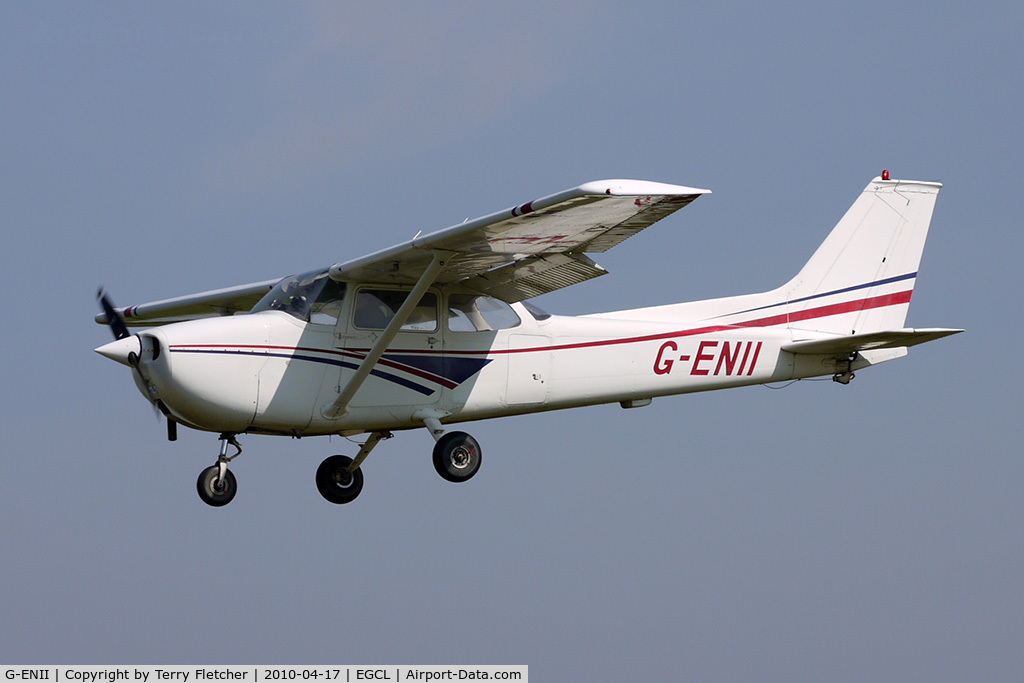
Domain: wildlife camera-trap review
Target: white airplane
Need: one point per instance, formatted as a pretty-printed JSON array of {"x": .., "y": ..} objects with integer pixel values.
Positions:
[{"x": 438, "y": 331}]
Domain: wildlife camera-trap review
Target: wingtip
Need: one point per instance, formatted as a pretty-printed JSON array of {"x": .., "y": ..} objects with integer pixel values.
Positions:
[{"x": 625, "y": 187}]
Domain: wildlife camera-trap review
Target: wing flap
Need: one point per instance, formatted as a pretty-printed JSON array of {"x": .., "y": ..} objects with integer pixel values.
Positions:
[
  {"x": 534, "y": 276},
  {"x": 850, "y": 344}
]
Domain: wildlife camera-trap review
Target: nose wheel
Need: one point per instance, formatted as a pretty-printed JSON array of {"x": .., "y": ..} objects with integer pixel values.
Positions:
[
  {"x": 216, "y": 484},
  {"x": 214, "y": 489}
]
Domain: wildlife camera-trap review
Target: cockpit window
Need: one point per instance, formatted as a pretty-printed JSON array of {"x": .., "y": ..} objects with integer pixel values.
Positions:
[
  {"x": 473, "y": 313},
  {"x": 311, "y": 297}
]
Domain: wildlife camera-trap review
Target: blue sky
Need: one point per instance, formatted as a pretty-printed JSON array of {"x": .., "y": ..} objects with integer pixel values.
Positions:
[{"x": 817, "y": 532}]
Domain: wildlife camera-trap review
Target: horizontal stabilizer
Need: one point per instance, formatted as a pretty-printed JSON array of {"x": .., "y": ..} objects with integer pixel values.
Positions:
[{"x": 890, "y": 339}]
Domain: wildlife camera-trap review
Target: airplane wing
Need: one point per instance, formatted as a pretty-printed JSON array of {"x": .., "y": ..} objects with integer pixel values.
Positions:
[
  {"x": 846, "y": 346},
  {"x": 532, "y": 248},
  {"x": 522, "y": 252},
  {"x": 214, "y": 302}
]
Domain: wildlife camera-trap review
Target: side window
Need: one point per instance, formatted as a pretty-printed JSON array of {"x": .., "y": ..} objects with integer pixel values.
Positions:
[
  {"x": 376, "y": 307},
  {"x": 473, "y": 313}
]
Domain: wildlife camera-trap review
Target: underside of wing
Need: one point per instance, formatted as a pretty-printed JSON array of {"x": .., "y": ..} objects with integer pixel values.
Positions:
[
  {"x": 532, "y": 248},
  {"x": 843, "y": 347},
  {"x": 216, "y": 302}
]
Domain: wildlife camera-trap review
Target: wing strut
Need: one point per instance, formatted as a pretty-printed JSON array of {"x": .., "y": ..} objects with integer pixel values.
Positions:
[{"x": 340, "y": 405}]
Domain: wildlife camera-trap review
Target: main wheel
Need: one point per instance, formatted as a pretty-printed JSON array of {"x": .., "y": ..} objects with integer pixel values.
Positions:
[
  {"x": 334, "y": 482},
  {"x": 213, "y": 492},
  {"x": 456, "y": 456}
]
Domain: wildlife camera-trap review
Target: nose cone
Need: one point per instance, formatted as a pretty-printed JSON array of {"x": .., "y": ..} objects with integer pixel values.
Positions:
[{"x": 120, "y": 349}]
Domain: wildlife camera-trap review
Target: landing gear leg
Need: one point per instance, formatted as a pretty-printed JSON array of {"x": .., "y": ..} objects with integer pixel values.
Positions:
[
  {"x": 216, "y": 484},
  {"x": 339, "y": 478}
]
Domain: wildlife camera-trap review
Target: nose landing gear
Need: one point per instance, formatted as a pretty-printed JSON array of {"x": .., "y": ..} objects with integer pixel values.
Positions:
[{"x": 216, "y": 484}]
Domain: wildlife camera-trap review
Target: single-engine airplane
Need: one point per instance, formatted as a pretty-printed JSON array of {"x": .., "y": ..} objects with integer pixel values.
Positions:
[{"x": 438, "y": 330}]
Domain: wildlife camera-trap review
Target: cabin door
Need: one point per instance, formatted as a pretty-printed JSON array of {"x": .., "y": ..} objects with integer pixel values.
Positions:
[{"x": 409, "y": 372}]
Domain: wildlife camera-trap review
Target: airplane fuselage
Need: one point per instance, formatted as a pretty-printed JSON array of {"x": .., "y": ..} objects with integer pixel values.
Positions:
[{"x": 269, "y": 372}]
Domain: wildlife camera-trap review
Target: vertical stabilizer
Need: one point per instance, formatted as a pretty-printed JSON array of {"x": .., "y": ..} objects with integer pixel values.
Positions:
[{"x": 862, "y": 276}]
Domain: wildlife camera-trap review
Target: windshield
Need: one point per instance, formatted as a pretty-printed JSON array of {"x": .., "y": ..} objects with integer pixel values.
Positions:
[{"x": 310, "y": 297}]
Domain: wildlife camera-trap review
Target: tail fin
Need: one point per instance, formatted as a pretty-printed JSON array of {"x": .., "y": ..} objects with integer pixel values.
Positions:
[{"x": 861, "y": 278}]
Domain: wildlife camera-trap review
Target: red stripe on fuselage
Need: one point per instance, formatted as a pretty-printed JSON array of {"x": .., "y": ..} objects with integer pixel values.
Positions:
[
  {"x": 834, "y": 309},
  {"x": 883, "y": 301},
  {"x": 809, "y": 314}
]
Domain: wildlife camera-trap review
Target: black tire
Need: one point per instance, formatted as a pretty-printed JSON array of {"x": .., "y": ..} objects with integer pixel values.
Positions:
[
  {"x": 210, "y": 492},
  {"x": 335, "y": 484},
  {"x": 457, "y": 456}
]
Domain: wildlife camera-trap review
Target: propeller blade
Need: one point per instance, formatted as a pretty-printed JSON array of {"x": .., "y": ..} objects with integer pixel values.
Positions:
[{"x": 115, "y": 321}]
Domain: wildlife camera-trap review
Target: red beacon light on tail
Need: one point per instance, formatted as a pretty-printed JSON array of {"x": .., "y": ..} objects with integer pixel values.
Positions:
[{"x": 885, "y": 175}]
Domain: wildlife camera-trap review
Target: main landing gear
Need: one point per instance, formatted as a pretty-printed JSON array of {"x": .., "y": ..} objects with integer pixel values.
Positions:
[
  {"x": 456, "y": 456},
  {"x": 339, "y": 479}
]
